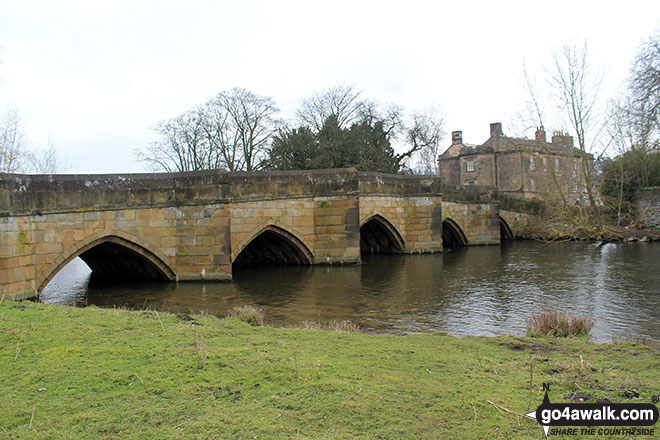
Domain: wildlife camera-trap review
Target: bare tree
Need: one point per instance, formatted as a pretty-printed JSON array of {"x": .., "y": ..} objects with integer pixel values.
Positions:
[
  {"x": 531, "y": 116},
  {"x": 644, "y": 86},
  {"x": 423, "y": 135},
  {"x": 342, "y": 102},
  {"x": 182, "y": 145},
  {"x": 232, "y": 130},
  {"x": 417, "y": 136},
  {"x": 13, "y": 149},
  {"x": 634, "y": 128},
  {"x": 47, "y": 161},
  {"x": 239, "y": 126},
  {"x": 576, "y": 88}
]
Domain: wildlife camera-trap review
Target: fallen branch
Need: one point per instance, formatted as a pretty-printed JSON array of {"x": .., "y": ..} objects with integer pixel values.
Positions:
[
  {"x": 161, "y": 322},
  {"x": 31, "y": 417},
  {"x": 350, "y": 397},
  {"x": 508, "y": 410},
  {"x": 531, "y": 382}
]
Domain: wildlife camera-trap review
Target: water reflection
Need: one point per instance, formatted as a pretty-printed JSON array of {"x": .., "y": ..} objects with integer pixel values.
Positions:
[{"x": 481, "y": 290}]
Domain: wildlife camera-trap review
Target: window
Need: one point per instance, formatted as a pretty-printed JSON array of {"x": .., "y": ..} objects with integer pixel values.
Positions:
[
  {"x": 575, "y": 166},
  {"x": 545, "y": 163},
  {"x": 556, "y": 165},
  {"x": 532, "y": 165},
  {"x": 469, "y": 165},
  {"x": 532, "y": 185},
  {"x": 470, "y": 182},
  {"x": 575, "y": 186}
]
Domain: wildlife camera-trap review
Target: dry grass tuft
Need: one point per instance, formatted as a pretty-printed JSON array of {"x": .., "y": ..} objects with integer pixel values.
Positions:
[
  {"x": 250, "y": 314},
  {"x": 334, "y": 325},
  {"x": 559, "y": 324},
  {"x": 635, "y": 339},
  {"x": 199, "y": 346}
]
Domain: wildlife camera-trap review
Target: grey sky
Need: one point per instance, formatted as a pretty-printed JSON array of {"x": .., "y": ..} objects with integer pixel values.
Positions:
[{"x": 96, "y": 76}]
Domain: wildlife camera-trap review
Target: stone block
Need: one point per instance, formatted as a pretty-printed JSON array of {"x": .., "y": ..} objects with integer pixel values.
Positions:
[
  {"x": 186, "y": 240},
  {"x": 127, "y": 215},
  {"x": 48, "y": 248},
  {"x": 306, "y": 220},
  {"x": 207, "y": 240},
  {"x": 330, "y": 220}
]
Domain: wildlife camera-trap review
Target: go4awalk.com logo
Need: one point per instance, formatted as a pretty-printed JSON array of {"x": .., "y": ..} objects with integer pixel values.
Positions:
[{"x": 595, "y": 418}]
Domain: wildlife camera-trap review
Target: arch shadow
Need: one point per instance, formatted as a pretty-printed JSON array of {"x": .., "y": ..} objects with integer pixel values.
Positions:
[
  {"x": 114, "y": 256},
  {"x": 452, "y": 234},
  {"x": 379, "y": 236},
  {"x": 505, "y": 231},
  {"x": 272, "y": 244}
]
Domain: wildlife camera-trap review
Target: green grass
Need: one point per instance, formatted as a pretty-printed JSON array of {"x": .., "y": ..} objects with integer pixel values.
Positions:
[{"x": 95, "y": 373}]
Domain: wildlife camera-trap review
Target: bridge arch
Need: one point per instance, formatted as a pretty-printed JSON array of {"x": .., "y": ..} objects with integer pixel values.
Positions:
[
  {"x": 272, "y": 244},
  {"x": 505, "y": 230},
  {"x": 452, "y": 234},
  {"x": 113, "y": 254},
  {"x": 379, "y": 236}
]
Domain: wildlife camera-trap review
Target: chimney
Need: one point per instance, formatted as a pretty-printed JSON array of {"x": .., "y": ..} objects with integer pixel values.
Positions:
[
  {"x": 456, "y": 137},
  {"x": 561, "y": 138},
  {"x": 540, "y": 134},
  {"x": 496, "y": 129}
]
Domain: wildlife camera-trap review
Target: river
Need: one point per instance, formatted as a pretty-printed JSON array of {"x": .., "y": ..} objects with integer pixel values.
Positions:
[{"x": 467, "y": 291}]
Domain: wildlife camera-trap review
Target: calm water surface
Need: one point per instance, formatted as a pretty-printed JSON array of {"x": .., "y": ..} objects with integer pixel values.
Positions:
[{"x": 469, "y": 291}]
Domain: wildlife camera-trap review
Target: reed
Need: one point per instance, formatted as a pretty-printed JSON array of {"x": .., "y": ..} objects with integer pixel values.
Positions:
[
  {"x": 559, "y": 324},
  {"x": 250, "y": 314}
]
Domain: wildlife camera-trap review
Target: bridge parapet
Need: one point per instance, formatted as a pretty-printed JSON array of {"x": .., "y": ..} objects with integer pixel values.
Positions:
[
  {"x": 399, "y": 185},
  {"x": 469, "y": 194},
  {"x": 42, "y": 194},
  {"x": 272, "y": 185},
  {"x": 518, "y": 204}
]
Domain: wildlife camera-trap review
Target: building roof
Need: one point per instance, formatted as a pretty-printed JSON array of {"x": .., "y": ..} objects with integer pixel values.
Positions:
[
  {"x": 455, "y": 149},
  {"x": 500, "y": 143}
]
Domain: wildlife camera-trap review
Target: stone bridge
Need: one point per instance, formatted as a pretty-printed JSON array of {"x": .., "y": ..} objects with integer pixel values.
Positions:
[{"x": 202, "y": 225}]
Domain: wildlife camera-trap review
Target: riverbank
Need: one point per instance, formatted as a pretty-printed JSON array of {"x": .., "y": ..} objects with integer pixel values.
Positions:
[
  {"x": 642, "y": 234},
  {"x": 585, "y": 224},
  {"x": 101, "y": 373}
]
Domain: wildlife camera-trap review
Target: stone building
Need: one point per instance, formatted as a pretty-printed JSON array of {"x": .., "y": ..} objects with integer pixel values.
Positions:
[{"x": 529, "y": 168}]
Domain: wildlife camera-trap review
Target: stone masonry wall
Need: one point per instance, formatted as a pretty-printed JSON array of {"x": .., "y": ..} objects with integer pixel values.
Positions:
[
  {"x": 647, "y": 205},
  {"x": 192, "y": 242},
  {"x": 327, "y": 226},
  {"x": 417, "y": 219},
  {"x": 517, "y": 221},
  {"x": 479, "y": 221}
]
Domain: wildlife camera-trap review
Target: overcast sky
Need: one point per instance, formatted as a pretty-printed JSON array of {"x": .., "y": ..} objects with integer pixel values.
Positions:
[{"x": 95, "y": 77}]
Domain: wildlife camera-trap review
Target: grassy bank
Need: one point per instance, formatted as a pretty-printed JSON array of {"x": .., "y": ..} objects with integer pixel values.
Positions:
[{"x": 101, "y": 374}]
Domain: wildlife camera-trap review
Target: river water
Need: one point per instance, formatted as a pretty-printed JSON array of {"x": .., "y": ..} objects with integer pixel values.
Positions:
[{"x": 467, "y": 291}]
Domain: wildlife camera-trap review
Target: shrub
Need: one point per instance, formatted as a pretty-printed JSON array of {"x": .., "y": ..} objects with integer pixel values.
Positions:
[
  {"x": 559, "y": 324},
  {"x": 250, "y": 314}
]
